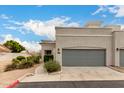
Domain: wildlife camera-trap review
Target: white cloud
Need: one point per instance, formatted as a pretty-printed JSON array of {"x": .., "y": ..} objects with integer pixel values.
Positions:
[
  {"x": 105, "y": 8},
  {"x": 104, "y": 15},
  {"x": 117, "y": 11},
  {"x": 47, "y": 28},
  {"x": 30, "y": 46},
  {"x": 39, "y": 28},
  {"x": 113, "y": 9},
  {"x": 62, "y": 21},
  {"x": 43, "y": 28},
  {"x": 120, "y": 12},
  {"x": 3, "y": 16},
  {"x": 100, "y": 9}
]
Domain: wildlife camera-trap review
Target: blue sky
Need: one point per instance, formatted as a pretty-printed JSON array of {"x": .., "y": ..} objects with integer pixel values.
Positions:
[{"x": 30, "y": 24}]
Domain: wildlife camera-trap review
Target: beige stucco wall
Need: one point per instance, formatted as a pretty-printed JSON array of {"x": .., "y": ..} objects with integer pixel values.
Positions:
[
  {"x": 118, "y": 40},
  {"x": 83, "y": 31},
  {"x": 93, "y": 38}
]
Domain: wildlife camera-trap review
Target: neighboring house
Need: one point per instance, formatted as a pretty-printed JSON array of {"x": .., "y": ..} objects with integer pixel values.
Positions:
[
  {"x": 4, "y": 49},
  {"x": 91, "y": 45}
]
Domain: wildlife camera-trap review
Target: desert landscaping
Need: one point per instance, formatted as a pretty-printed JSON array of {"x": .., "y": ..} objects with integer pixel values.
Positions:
[
  {"x": 15, "y": 62},
  {"x": 8, "y": 77},
  {"x": 6, "y": 58}
]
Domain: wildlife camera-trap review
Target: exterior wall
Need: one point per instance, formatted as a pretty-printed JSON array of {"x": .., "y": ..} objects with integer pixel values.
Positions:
[
  {"x": 48, "y": 46},
  {"x": 83, "y": 31},
  {"x": 84, "y": 38},
  {"x": 118, "y": 40}
]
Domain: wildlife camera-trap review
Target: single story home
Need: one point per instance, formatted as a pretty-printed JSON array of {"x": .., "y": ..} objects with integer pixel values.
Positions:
[{"x": 91, "y": 45}]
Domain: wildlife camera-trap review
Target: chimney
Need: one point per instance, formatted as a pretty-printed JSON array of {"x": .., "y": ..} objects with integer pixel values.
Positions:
[{"x": 93, "y": 24}]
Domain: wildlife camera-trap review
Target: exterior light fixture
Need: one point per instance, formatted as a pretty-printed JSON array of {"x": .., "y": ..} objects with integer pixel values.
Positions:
[{"x": 117, "y": 49}]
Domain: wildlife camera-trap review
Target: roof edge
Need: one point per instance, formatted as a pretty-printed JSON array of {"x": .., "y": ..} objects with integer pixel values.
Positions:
[{"x": 81, "y": 28}]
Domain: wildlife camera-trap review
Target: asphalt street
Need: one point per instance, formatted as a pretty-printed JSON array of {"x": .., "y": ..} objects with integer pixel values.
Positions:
[{"x": 73, "y": 84}]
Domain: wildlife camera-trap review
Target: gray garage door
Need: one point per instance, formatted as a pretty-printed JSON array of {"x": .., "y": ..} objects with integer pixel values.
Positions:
[
  {"x": 83, "y": 57},
  {"x": 122, "y": 57}
]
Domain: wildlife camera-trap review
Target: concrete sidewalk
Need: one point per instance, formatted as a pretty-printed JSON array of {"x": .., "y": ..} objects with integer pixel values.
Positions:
[{"x": 76, "y": 74}]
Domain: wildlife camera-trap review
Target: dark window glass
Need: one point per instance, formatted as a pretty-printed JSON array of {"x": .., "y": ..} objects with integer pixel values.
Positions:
[{"x": 48, "y": 52}]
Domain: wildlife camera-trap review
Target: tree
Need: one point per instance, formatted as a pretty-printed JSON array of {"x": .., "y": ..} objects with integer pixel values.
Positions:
[{"x": 14, "y": 46}]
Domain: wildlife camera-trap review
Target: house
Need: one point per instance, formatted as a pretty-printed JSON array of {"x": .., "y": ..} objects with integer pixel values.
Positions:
[
  {"x": 91, "y": 45},
  {"x": 4, "y": 49}
]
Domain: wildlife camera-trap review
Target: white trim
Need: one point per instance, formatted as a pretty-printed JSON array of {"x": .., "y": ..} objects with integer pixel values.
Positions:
[{"x": 83, "y": 35}]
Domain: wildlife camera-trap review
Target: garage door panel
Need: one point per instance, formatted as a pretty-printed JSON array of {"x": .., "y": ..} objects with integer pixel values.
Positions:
[{"x": 81, "y": 57}]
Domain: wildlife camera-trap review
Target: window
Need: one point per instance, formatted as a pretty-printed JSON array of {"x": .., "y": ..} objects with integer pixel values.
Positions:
[{"x": 48, "y": 52}]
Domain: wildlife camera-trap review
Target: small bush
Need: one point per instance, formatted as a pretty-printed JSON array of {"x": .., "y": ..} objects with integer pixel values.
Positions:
[
  {"x": 25, "y": 64},
  {"x": 36, "y": 59},
  {"x": 20, "y": 58},
  {"x": 22, "y": 62},
  {"x": 15, "y": 61},
  {"x": 52, "y": 66},
  {"x": 48, "y": 58},
  {"x": 30, "y": 59}
]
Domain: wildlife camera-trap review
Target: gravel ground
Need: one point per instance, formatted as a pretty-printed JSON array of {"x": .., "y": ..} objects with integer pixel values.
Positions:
[
  {"x": 8, "y": 77},
  {"x": 5, "y": 59}
]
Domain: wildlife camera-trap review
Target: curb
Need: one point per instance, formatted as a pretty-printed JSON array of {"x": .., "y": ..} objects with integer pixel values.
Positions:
[{"x": 12, "y": 85}]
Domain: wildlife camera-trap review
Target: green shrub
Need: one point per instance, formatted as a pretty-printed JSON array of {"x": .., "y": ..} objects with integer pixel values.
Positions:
[
  {"x": 25, "y": 64},
  {"x": 36, "y": 59},
  {"x": 15, "y": 61},
  {"x": 48, "y": 58},
  {"x": 52, "y": 66},
  {"x": 30, "y": 59},
  {"x": 20, "y": 58},
  {"x": 21, "y": 62}
]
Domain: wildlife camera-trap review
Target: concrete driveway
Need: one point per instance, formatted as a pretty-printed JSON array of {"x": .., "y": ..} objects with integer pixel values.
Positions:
[
  {"x": 90, "y": 73},
  {"x": 76, "y": 74}
]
